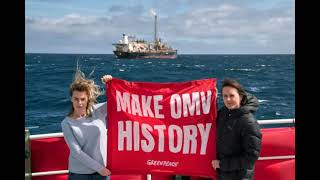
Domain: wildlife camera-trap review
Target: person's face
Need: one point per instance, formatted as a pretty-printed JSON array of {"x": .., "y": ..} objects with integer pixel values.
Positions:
[
  {"x": 231, "y": 97},
  {"x": 79, "y": 100}
]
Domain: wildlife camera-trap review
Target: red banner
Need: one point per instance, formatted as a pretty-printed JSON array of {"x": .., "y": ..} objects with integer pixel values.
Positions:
[{"x": 161, "y": 128}]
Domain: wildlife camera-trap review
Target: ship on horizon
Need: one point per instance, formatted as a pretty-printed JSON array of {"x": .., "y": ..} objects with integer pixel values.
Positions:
[{"x": 130, "y": 48}]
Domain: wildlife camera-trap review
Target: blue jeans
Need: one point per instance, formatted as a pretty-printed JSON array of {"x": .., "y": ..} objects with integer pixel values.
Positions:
[{"x": 94, "y": 176}]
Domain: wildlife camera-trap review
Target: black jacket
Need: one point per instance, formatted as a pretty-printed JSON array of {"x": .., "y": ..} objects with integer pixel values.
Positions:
[{"x": 238, "y": 140}]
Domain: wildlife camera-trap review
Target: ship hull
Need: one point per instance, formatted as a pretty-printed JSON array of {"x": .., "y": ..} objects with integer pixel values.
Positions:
[{"x": 146, "y": 55}]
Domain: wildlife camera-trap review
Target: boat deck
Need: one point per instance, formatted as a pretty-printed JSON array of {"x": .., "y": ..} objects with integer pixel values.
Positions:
[{"x": 49, "y": 157}]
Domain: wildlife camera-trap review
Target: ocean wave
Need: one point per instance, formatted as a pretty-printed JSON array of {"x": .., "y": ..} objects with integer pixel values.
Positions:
[
  {"x": 254, "y": 89},
  {"x": 263, "y": 101},
  {"x": 176, "y": 65},
  {"x": 199, "y": 65},
  {"x": 32, "y": 127},
  {"x": 94, "y": 58},
  {"x": 244, "y": 69}
]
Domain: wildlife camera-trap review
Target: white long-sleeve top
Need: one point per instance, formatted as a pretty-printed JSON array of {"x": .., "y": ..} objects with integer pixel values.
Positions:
[{"x": 87, "y": 141}]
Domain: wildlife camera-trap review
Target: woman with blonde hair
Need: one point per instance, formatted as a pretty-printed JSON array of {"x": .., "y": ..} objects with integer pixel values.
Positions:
[{"x": 85, "y": 130}]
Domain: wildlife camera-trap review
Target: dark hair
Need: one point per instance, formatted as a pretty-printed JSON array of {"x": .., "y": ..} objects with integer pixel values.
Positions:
[{"x": 235, "y": 84}]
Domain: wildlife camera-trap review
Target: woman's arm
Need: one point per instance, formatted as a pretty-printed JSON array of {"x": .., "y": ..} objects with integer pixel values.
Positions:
[{"x": 101, "y": 108}]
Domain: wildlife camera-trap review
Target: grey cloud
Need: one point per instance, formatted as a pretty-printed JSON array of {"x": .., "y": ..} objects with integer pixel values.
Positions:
[
  {"x": 224, "y": 27},
  {"x": 128, "y": 10},
  {"x": 234, "y": 22}
]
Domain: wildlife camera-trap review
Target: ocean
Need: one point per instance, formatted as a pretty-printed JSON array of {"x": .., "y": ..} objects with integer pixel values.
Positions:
[{"x": 271, "y": 78}]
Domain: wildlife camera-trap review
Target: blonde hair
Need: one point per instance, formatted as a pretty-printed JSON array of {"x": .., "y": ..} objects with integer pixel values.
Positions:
[{"x": 82, "y": 84}]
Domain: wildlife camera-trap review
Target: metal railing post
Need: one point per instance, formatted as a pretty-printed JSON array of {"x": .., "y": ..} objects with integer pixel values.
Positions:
[{"x": 27, "y": 159}]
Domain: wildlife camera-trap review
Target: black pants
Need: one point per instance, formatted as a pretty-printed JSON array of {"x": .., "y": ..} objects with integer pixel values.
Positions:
[
  {"x": 94, "y": 176},
  {"x": 246, "y": 174},
  {"x": 182, "y": 177}
]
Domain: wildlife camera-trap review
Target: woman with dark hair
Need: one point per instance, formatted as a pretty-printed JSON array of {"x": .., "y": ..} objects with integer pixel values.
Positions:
[{"x": 238, "y": 134}]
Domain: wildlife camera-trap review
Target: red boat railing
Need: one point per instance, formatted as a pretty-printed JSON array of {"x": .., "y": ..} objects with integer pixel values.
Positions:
[
  {"x": 267, "y": 159},
  {"x": 261, "y": 122}
]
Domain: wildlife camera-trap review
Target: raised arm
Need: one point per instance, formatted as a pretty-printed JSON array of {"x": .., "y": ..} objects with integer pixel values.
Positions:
[{"x": 102, "y": 107}]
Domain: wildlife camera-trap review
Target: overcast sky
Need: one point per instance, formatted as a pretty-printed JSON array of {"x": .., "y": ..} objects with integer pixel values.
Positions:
[{"x": 191, "y": 26}]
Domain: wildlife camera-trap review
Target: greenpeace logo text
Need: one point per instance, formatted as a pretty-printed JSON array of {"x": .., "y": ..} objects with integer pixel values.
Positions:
[{"x": 162, "y": 163}]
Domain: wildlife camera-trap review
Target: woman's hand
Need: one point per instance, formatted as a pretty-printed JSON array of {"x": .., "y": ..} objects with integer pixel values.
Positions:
[
  {"x": 105, "y": 172},
  {"x": 215, "y": 164},
  {"x": 106, "y": 78}
]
